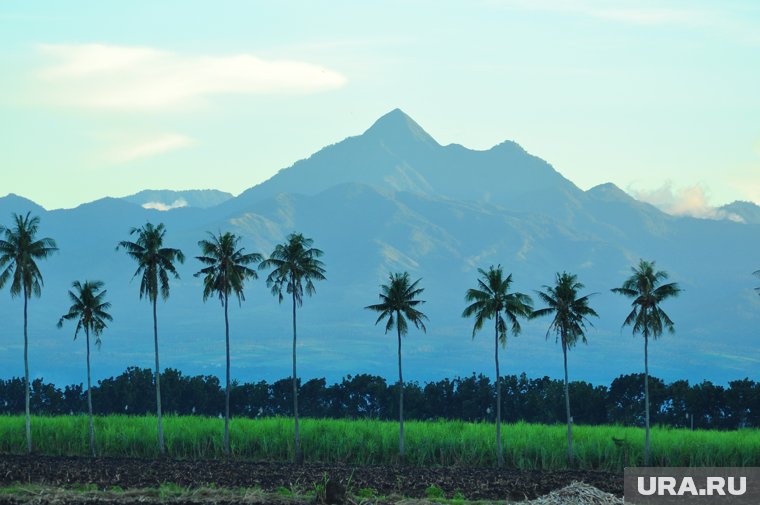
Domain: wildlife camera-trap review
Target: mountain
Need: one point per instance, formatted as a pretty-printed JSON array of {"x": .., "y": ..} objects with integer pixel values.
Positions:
[
  {"x": 748, "y": 212},
  {"x": 394, "y": 199},
  {"x": 166, "y": 199},
  {"x": 396, "y": 154}
]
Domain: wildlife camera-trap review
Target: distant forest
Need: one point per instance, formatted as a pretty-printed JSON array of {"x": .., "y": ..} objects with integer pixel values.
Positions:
[{"x": 368, "y": 396}]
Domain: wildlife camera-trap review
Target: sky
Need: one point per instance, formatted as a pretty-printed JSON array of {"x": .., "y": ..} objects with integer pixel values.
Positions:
[{"x": 109, "y": 98}]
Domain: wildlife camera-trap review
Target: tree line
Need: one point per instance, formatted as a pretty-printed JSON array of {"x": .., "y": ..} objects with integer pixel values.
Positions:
[
  {"x": 294, "y": 266},
  {"x": 678, "y": 404}
]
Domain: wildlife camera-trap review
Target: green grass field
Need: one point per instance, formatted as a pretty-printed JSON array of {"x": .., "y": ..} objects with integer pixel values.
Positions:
[{"x": 368, "y": 442}]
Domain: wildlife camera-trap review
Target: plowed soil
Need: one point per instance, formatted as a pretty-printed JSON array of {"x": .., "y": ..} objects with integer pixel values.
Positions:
[{"x": 472, "y": 483}]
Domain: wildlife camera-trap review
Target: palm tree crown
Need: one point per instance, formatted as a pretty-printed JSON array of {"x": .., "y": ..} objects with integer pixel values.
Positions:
[
  {"x": 88, "y": 308},
  {"x": 226, "y": 269},
  {"x": 19, "y": 248},
  {"x": 570, "y": 312},
  {"x": 398, "y": 303},
  {"x": 155, "y": 262},
  {"x": 493, "y": 299},
  {"x": 646, "y": 288},
  {"x": 295, "y": 267}
]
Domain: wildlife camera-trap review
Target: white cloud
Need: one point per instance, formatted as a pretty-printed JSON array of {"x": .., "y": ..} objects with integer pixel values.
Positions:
[
  {"x": 125, "y": 77},
  {"x": 147, "y": 148},
  {"x": 164, "y": 207},
  {"x": 686, "y": 201}
]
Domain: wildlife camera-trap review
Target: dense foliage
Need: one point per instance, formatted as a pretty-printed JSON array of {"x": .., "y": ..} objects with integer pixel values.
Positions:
[{"x": 366, "y": 396}]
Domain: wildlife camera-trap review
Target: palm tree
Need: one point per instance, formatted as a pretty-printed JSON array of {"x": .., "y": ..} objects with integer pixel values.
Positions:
[
  {"x": 569, "y": 323},
  {"x": 89, "y": 309},
  {"x": 295, "y": 266},
  {"x": 225, "y": 274},
  {"x": 398, "y": 303},
  {"x": 646, "y": 288},
  {"x": 19, "y": 250},
  {"x": 155, "y": 264},
  {"x": 492, "y": 299}
]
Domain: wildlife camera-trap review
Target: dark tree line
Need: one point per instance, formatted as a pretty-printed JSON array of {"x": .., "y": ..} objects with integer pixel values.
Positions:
[{"x": 367, "y": 396}]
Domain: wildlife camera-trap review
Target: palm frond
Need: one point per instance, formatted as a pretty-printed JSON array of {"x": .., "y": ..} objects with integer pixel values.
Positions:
[
  {"x": 88, "y": 308},
  {"x": 19, "y": 251},
  {"x": 398, "y": 301},
  {"x": 647, "y": 290},
  {"x": 295, "y": 267}
]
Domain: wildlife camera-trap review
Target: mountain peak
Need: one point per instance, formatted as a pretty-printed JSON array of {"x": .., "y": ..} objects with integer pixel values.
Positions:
[
  {"x": 397, "y": 126},
  {"x": 610, "y": 192}
]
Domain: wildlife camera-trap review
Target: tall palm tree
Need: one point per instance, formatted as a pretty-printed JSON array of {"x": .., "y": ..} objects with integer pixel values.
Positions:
[
  {"x": 492, "y": 300},
  {"x": 646, "y": 287},
  {"x": 89, "y": 309},
  {"x": 295, "y": 266},
  {"x": 19, "y": 251},
  {"x": 569, "y": 324},
  {"x": 155, "y": 265},
  {"x": 397, "y": 304},
  {"x": 225, "y": 274}
]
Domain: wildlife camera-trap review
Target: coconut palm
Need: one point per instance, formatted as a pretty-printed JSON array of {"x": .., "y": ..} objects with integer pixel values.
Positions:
[
  {"x": 569, "y": 324},
  {"x": 225, "y": 274},
  {"x": 646, "y": 287},
  {"x": 19, "y": 251},
  {"x": 492, "y": 300},
  {"x": 89, "y": 309},
  {"x": 295, "y": 266},
  {"x": 398, "y": 303},
  {"x": 155, "y": 265}
]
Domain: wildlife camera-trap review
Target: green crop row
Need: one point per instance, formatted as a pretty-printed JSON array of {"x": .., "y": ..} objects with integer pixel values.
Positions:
[{"x": 370, "y": 442}]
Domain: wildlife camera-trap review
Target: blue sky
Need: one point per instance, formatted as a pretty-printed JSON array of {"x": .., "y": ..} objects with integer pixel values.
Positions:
[{"x": 108, "y": 98}]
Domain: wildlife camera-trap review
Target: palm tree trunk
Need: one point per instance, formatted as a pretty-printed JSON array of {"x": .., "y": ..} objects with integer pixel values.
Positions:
[
  {"x": 567, "y": 409},
  {"x": 26, "y": 376},
  {"x": 298, "y": 455},
  {"x": 646, "y": 396},
  {"x": 89, "y": 393},
  {"x": 400, "y": 399},
  {"x": 499, "y": 457},
  {"x": 161, "y": 447},
  {"x": 227, "y": 388}
]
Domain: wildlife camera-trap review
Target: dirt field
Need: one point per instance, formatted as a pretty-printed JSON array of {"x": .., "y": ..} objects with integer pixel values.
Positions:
[{"x": 470, "y": 483}]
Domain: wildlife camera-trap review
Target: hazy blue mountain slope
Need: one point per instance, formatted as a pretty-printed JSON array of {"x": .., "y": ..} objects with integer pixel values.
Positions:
[{"x": 747, "y": 211}]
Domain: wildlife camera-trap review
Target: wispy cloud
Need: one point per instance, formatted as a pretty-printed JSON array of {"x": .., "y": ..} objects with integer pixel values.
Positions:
[
  {"x": 686, "y": 201},
  {"x": 147, "y": 148},
  {"x": 126, "y": 77},
  {"x": 628, "y": 12},
  {"x": 177, "y": 204}
]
